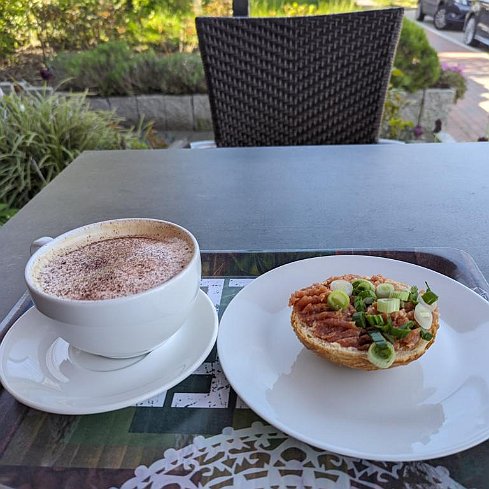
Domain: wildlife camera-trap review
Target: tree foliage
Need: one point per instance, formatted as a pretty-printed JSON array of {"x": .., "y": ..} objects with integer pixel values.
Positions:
[{"x": 415, "y": 59}]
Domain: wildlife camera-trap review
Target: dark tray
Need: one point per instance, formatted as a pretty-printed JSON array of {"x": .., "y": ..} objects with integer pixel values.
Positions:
[{"x": 46, "y": 450}]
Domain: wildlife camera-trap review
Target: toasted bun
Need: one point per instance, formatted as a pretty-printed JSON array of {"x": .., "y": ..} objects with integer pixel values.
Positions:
[{"x": 352, "y": 357}]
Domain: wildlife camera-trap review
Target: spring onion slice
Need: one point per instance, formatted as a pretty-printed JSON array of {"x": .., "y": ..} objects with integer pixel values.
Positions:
[
  {"x": 423, "y": 316},
  {"x": 378, "y": 338},
  {"x": 429, "y": 297},
  {"x": 359, "y": 318},
  {"x": 338, "y": 299},
  {"x": 381, "y": 356},
  {"x": 425, "y": 335},
  {"x": 343, "y": 285},
  {"x": 359, "y": 304},
  {"x": 421, "y": 301},
  {"x": 362, "y": 284},
  {"x": 368, "y": 296},
  {"x": 402, "y": 295},
  {"x": 413, "y": 295},
  {"x": 388, "y": 305},
  {"x": 375, "y": 319},
  {"x": 402, "y": 331},
  {"x": 384, "y": 290}
]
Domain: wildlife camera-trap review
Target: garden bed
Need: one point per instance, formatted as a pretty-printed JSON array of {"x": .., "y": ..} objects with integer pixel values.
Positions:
[{"x": 428, "y": 108}]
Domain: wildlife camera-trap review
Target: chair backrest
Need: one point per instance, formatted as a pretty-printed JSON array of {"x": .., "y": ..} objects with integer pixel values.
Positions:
[{"x": 298, "y": 80}]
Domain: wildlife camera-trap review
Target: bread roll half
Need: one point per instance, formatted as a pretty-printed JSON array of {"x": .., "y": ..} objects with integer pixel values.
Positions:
[{"x": 314, "y": 326}]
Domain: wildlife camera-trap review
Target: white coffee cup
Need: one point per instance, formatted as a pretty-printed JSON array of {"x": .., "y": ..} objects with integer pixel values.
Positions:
[{"x": 125, "y": 326}]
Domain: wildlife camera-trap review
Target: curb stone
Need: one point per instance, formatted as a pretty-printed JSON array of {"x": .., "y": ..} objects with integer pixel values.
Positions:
[{"x": 168, "y": 112}]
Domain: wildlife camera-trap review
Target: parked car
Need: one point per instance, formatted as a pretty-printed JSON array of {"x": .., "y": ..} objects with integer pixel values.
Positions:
[
  {"x": 476, "y": 28},
  {"x": 445, "y": 13}
]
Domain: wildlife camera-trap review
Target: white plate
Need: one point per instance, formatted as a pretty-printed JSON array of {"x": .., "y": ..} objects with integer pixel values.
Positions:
[
  {"x": 433, "y": 407},
  {"x": 44, "y": 372}
]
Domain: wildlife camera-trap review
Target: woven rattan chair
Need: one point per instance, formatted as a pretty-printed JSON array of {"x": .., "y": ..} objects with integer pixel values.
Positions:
[{"x": 298, "y": 80}]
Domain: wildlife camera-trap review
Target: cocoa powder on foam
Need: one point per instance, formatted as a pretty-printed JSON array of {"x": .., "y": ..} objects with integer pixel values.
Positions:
[{"x": 115, "y": 267}]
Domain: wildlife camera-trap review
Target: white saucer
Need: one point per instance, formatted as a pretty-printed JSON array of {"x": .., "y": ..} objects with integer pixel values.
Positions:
[{"x": 43, "y": 371}]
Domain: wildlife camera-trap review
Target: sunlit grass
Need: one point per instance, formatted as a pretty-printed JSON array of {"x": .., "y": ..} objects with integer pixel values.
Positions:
[{"x": 279, "y": 8}]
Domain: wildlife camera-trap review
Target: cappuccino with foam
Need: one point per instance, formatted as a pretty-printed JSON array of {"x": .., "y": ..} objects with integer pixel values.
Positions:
[{"x": 115, "y": 267}]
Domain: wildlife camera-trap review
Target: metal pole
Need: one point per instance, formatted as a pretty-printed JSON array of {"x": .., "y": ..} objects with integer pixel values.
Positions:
[{"x": 241, "y": 8}]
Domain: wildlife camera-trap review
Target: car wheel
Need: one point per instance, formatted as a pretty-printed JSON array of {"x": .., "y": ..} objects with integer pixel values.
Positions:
[
  {"x": 440, "y": 17},
  {"x": 469, "y": 32},
  {"x": 419, "y": 12}
]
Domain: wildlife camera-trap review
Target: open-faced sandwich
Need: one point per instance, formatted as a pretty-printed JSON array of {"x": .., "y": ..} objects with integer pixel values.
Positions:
[{"x": 367, "y": 323}]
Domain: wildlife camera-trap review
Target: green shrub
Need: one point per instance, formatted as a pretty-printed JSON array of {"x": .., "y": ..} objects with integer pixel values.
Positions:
[
  {"x": 6, "y": 213},
  {"x": 80, "y": 24},
  {"x": 174, "y": 74},
  {"x": 169, "y": 26},
  {"x": 416, "y": 60},
  {"x": 12, "y": 26},
  {"x": 63, "y": 24},
  {"x": 183, "y": 73},
  {"x": 105, "y": 69},
  {"x": 41, "y": 135},
  {"x": 394, "y": 126},
  {"x": 70, "y": 25},
  {"x": 452, "y": 77},
  {"x": 162, "y": 29},
  {"x": 114, "y": 69}
]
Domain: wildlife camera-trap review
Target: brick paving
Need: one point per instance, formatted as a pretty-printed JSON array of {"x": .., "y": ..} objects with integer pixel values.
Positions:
[{"x": 469, "y": 118}]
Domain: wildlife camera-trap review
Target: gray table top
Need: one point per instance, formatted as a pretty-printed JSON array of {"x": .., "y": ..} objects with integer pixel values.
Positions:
[{"x": 378, "y": 196}]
